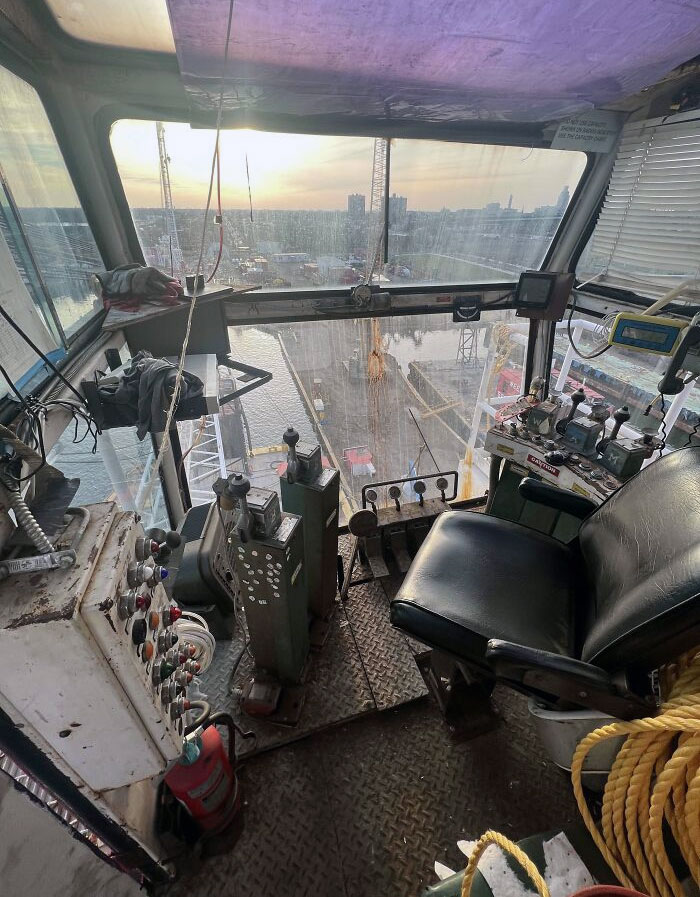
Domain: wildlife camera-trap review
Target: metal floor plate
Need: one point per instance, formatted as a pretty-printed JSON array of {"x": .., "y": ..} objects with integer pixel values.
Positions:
[
  {"x": 363, "y": 802},
  {"x": 364, "y": 809},
  {"x": 365, "y": 666}
]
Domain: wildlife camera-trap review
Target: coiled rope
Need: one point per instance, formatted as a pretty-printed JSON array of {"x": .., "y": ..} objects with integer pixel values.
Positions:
[{"x": 655, "y": 779}]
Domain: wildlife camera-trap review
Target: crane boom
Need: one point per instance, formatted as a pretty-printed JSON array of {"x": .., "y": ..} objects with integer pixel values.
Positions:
[{"x": 166, "y": 197}]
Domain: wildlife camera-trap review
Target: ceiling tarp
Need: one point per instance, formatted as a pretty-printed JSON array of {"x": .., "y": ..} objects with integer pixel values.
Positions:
[{"x": 429, "y": 60}]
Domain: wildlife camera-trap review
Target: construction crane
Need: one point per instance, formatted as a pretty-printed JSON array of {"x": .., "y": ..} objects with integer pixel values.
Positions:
[
  {"x": 166, "y": 200},
  {"x": 376, "y": 208}
]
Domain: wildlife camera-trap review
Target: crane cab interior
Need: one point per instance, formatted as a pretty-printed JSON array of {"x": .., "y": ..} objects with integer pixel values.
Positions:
[{"x": 349, "y": 448}]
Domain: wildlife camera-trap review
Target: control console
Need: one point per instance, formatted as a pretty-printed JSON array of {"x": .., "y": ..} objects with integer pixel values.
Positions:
[{"x": 90, "y": 664}]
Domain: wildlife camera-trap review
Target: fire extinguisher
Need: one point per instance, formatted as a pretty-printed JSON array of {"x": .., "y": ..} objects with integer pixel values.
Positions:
[{"x": 203, "y": 779}]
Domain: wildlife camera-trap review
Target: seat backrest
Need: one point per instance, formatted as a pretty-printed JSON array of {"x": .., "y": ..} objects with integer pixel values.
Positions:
[{"x": 642, "y": 553}]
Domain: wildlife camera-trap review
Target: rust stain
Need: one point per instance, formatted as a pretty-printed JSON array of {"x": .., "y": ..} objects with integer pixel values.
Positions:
[{"x": 94, "y": 551}]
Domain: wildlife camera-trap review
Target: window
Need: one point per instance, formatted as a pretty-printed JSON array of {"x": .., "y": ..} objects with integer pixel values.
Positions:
[
  {"x": 647, "y": 237},
  {"x": 623, "y": 377},
  {"x": 118, "y": 471},
  {"x": 313, "y": 216},
  {"x": 40, "y": 215},
  {"x": 462, "y": 213},
  {"x": 418, "y": 417}
]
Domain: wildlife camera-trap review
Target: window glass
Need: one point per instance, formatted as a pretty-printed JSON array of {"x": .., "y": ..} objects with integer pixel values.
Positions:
[
  {"x": 40, "y": 214},
  {"x": 624, "y": 377},
  {"x": 141, "y": 24},
  {"x": 461, "y": 213},
  {"x": 313, "y": 215},
  {"x": 118, "y": 471},
  {"x": 416, "y": 417}
]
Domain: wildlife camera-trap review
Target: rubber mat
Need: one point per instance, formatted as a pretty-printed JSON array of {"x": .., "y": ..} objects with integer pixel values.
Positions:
[{"x": 364, "y": 809}]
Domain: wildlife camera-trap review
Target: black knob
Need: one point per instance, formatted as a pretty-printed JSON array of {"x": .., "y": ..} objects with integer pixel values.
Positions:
[
  {"x": 578, "y": 396},
  {"x": 173, "y": 539},
  {"x": 139, "y": 631},
  {"x": 238, "y": 485},
  {"x": 554, "y": 457},
  {"x": 290, "y": 436},
  {"x": 621, "y": 415}
]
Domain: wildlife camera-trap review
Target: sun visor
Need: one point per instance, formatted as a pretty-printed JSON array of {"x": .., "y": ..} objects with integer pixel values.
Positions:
[{"x": 431, "y": 61}]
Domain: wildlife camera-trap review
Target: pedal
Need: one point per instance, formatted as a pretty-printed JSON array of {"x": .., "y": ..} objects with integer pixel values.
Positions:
[{"x": 398, "y": 543}]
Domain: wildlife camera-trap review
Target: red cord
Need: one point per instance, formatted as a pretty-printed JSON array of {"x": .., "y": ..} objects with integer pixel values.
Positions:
[{"x": 219, "y": 213}]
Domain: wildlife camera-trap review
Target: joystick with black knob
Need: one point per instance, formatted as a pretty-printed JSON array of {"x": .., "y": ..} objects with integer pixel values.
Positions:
[{"x": 577, "y": 397}]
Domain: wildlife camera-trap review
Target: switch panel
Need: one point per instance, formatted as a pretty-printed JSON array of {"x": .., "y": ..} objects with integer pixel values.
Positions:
[{"x": 78, "y": 649}]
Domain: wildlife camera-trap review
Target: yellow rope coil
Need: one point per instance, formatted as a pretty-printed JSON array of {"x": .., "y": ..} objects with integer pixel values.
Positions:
[
  {"x": 507, "y": 846},
  {"x": 654, "y": 780}
]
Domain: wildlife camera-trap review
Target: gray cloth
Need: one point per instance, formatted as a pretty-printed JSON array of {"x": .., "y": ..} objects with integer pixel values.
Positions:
[{"x": 144, "y": 391}]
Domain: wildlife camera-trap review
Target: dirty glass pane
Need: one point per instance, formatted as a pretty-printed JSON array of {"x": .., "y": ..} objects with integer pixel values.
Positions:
[
  {"x": 118, "y": 471},
  {"x": 417, "y": 416},
  {"x": 40, "y": 214},
  {"x": 303, "y": 224},
  {"x": 462, "y": 213}
]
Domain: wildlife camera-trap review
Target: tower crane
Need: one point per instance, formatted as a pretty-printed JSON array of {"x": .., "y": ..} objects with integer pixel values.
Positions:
[{"x": 166, "y": 198}]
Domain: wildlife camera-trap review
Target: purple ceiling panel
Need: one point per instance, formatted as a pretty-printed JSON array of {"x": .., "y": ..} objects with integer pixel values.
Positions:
[{"x": 430, "y": 60}]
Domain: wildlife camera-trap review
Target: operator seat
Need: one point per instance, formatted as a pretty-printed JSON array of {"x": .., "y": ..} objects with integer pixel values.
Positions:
[{"x": 580, "y": 623}]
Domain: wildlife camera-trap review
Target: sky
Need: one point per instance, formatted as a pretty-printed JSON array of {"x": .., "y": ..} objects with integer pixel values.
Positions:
[{"x": 298, "y": 171}]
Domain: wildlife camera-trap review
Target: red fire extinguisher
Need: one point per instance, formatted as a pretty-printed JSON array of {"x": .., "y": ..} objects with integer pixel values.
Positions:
[{"x": 203, "y": 779}]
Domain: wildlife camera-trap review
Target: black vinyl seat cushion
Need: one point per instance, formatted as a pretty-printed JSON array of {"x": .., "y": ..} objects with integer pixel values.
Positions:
[{"x": 478, "y": 577}]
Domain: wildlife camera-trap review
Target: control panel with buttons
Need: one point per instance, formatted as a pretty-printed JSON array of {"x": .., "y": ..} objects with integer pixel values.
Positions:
[
  {"x": 552, "y": 460},
  {"x": 90, "y": 664}
]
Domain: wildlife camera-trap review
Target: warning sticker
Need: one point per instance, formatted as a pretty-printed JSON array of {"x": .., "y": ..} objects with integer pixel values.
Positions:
[
  {"x": 595, "y": 131},
  {"x": 550, "y": 468}
]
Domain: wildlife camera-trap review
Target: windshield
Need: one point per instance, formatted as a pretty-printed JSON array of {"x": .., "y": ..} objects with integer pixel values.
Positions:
[{"x": 301, "y": 210}]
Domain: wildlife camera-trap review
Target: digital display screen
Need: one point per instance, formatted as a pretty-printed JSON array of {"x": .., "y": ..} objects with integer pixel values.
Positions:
[
  {"x": 534, "y": 290},
  {"x": 644, "y": 335}
]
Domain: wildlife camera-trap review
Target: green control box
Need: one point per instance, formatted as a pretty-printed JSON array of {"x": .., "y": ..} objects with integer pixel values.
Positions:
[
  {"x": 314, "y": 496},
  {"x": 270, "y": 568}
]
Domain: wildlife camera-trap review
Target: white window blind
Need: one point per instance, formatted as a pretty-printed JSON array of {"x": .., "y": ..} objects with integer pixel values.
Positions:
[{"x": 647, "y": 237}]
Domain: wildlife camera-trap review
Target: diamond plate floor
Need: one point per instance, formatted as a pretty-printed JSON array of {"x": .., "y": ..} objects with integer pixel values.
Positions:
[
  {"x": 364, "y": 809},
  {"x": 366, "y": 665}
]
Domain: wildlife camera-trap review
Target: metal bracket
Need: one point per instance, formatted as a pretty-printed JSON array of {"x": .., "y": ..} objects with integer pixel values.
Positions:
[
  {"x": 54, "y": 560},
  {"x": 257, "y": 377}
]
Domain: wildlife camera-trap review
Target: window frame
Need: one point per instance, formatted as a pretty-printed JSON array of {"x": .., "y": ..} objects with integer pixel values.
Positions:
[{"x": 397, "y": 291}]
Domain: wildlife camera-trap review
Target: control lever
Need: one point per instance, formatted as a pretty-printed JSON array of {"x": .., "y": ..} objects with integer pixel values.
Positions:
[
  {"x": 232, "y": 493},
  {"x": 371, "y": 497},
  {"x": 291, "y": 437},
  {"x": 577, "y": 397},
  {"x": 395, "y": 493},
  {"x": 441, "y": 484},
  {"x": 620, "y": 416},
  {"x": 419, "y": 488},
  {"x": 671, "y": 384}
]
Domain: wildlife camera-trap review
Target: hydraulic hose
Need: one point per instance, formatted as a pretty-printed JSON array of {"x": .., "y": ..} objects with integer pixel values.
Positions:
[
  {"x": 653, "y": 788},
  {"x": 25, "y": 518}
]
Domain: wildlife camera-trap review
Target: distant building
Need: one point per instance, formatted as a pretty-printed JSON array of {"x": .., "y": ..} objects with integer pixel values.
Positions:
[
  {"x": 356, "y": 204},
  {"x": 397, "y": 207},
  {"x": 563, "y": 200}
]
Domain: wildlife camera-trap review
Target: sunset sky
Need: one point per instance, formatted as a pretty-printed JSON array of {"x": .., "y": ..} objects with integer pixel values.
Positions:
[{"x": 296, "y": 171}]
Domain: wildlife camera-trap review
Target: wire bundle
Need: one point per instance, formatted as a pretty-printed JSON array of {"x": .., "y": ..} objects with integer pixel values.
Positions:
[
  {"x": 193, "y": 629},
  {"x": 653, "y": 789}
]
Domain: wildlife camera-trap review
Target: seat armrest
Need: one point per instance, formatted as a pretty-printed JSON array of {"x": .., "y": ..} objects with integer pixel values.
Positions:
[
  {"x": 556, "y": 498},
  {"x": 553, "y": 675}
]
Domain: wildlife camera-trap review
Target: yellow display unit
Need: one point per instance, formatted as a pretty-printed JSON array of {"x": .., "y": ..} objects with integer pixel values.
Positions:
[{"x": 646, "y": 333}]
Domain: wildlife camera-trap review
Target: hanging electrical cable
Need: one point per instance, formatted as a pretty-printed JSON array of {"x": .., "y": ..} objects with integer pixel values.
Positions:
[
  {"x": 165, "y": 443},
  {"x": 219, "y": 218}
]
